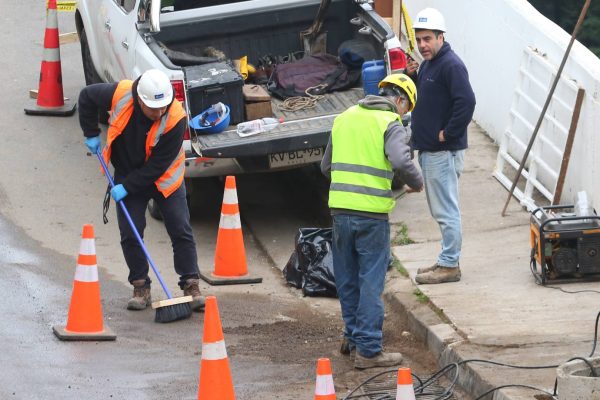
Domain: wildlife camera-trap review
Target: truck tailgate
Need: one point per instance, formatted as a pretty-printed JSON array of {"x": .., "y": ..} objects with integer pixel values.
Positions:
[{"x": 303, "y": 129}]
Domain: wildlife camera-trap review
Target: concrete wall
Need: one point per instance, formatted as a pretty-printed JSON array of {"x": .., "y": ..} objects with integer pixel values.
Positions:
[{"x": 490, "y": 36}]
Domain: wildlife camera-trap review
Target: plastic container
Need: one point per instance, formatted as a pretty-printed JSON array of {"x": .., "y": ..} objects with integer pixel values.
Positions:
[
  {"x": 372, "y": 73},
  {"x": 255, "y": 126}
]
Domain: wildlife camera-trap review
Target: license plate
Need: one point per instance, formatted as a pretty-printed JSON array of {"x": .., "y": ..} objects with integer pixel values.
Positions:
[{"x": 297, "y": 157}]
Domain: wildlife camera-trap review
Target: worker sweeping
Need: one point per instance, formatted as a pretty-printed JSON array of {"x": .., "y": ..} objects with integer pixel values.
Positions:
[{"x": 144, "y": 144}]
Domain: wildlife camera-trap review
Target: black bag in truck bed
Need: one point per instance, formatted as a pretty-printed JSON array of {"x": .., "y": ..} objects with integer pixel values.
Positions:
[{"x": 211, "y": 83}]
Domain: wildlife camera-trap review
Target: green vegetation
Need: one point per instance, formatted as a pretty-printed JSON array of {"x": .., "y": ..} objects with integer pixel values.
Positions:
[
  {"x": 401, "y": 238},
  {"x": 421, "y": 297},
  {"x": 565, "y": 14}
]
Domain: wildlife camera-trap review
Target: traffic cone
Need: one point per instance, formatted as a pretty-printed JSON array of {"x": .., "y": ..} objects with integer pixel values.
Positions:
[
  {"x": 215, "y": 376},
  {"x": 50, "y": 100},
  {"x": 405, "y": 389},
  {"x": 230, "y": 255},
  {"x": 84, "y": 321},
  {"x": 324, "y": 389}
]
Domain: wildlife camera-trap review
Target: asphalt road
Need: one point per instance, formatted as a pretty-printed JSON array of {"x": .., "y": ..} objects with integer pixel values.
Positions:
[{"x": 50, "y": 187}]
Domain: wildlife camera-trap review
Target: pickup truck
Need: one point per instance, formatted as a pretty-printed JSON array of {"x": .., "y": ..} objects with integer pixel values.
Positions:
[{"x": 120, "y": 39}]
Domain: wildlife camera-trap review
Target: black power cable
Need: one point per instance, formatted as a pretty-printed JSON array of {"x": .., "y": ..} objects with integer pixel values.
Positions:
[{"x": 446, "y": 394}]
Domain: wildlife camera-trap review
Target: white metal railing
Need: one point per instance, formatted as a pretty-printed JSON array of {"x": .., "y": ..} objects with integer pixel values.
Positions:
[{"x": 542, "y": 168}]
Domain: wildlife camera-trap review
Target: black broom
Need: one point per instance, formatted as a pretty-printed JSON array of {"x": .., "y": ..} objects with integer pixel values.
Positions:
[{"x": 169, "y": 310}]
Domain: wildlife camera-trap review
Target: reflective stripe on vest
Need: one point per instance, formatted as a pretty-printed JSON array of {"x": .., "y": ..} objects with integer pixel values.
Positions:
[
  {"x": 361, "y": 175},
  {"x": 121, "y": 111}
]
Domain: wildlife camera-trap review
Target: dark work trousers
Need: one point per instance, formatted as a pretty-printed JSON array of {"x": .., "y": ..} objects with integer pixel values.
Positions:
[{"x": 176, "y": 218}]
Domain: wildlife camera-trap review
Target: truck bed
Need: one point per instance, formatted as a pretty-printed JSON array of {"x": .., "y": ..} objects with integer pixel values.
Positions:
[{"x": 310, "y": 121}]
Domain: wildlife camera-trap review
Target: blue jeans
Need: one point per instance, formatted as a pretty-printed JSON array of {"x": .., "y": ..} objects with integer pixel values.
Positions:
[
  {"x": 361, "y": 252},
  {"x": 441, "y": 170}
]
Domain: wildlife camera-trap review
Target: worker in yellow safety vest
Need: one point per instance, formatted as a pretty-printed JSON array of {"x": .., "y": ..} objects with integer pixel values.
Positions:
[
  {"x": 144, "y": 143},
  {"x": 368, "y": 145}
]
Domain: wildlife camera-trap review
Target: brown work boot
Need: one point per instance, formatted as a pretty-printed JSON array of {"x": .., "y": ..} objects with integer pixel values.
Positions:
[
  {"x": 347, "y": 348},
  {"x": 423, "y": 270},
  {"x": 191, "y": 289},
  {"x": 439, "y": 275},
  {"x": 141, "y": 295},
  {"x": 382, "y": 359}
]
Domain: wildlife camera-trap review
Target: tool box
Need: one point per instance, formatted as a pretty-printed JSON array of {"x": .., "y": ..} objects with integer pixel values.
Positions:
[
  {"x": 564, "y": 246},
  {"x": 212, "y": 83}
]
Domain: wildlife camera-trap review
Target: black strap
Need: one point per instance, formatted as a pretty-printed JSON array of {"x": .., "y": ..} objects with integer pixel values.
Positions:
[{"x": 106, "y": 205}]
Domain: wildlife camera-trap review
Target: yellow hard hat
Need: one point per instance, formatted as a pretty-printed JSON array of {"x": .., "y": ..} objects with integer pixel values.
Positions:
[{"x": 405, "y": 83}]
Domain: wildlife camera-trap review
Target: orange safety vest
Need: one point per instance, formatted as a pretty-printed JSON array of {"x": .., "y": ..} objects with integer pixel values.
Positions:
[{"x": 121, "y": 111}]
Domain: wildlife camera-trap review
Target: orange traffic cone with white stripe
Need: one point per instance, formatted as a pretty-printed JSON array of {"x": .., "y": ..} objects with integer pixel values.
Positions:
[
  {"x": 215, "y": 376},
  {"x": 230, "y": 254},
  {"x": 405, "y": 389},
  {"x": 84, "y": 321},
  {"x": 324, "y": 389},
  {"x": 50, "y": 99}
]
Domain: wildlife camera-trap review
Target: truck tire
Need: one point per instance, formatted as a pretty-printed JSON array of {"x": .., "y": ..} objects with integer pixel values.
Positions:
[
  {"x": 89, "y": 71},
  {"x": 154, "y": 210}
]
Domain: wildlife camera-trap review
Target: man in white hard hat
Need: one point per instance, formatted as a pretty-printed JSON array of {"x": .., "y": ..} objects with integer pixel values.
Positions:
[
  {"x": 439, "y": 133},
  {"x": 144, "y": 143}
]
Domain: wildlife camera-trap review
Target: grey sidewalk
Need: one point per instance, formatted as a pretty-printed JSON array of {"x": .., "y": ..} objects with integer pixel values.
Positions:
[{"x": 496, "y": 312}]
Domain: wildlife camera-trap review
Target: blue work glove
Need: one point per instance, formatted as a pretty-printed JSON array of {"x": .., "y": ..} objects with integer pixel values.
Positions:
[
  {"x": 118, "y": 192},
  {"x": 93, "y": 143}
]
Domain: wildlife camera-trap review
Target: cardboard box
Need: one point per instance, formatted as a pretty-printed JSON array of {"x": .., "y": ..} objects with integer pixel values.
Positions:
[
  {"x": 257, "y": 102},
  {"x": 258, "y": 109}
]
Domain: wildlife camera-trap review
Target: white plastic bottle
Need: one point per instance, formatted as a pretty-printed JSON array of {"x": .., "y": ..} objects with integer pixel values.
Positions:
[{"x": 255, "y": 126}]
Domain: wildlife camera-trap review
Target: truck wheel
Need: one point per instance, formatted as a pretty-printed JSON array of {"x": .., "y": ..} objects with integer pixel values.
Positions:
[
  {"x": 89, "y": 71},
  {"x": 154, "y": 210}
]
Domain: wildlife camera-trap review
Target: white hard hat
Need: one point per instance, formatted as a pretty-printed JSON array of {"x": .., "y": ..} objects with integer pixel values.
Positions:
[
  {"x": 155, "y": 89},
  {"x": 431, "y": 19}
]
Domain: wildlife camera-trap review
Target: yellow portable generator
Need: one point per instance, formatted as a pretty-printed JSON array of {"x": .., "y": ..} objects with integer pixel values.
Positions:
[{"x": 564, "y": 246}]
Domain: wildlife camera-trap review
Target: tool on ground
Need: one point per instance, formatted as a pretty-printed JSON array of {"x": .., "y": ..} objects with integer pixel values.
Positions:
[
  {"x": 547, "y": 103},
  {"x": 215, "y": 375},
  {"x": 173, "y": 309},
  {"x": 315, "y": 41},
  {"x": 84, "y": 321},
  {"x": 50, "y": 100},
  {"x": 565, "y": 243}
]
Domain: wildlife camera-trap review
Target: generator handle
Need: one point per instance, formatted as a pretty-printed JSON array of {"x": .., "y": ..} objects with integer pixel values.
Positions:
[{"x": 566, "y": 228}]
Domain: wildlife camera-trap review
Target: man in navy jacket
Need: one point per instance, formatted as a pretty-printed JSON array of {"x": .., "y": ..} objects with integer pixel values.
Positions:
[{"x": 439, "y": 126}]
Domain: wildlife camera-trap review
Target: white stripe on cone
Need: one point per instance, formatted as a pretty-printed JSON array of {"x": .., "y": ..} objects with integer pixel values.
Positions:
[
  {"x": 230, "y": 196},
  {"x": 87, "y": 247},
  {"x": 214, "y": 351},
  {"x": 86, "y": 273},
  {"x": 324, "y": 385},
  {"x": 230, "y": 221},
  {"x": 405, "y": 392}
]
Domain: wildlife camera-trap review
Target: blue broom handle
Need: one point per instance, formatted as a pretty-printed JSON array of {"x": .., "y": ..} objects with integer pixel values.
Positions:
[{"x": 133, "y": 228}]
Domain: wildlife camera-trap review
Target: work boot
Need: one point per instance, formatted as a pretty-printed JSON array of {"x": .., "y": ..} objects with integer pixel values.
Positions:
[
  {"x": 439, "y": 275},
  {"x": 191, "y": 289},
  {"x": 423, "y": 270},
  {"x": 141, "y": 295},
  {"x": 381, "y": 359},
  {"x": 347, "y": 348}
]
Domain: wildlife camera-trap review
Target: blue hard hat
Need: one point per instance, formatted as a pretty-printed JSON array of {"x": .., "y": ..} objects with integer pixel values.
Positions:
[{"x": 212, "y": 120}]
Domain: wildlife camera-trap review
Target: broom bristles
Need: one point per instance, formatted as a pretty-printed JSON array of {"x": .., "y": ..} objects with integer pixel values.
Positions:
[{"x": 173, "y": 312}]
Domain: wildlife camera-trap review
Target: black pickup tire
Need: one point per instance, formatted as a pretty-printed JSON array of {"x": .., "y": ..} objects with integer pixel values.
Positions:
[
  {"x": 89, "y": 71},
  {"x": 154, "y": 210}
]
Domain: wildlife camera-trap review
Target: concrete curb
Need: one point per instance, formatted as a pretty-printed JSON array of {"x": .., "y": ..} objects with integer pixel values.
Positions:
[{"x": 440, "y": 337}]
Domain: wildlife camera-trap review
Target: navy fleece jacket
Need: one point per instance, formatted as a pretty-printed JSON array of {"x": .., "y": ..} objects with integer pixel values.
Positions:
[{"x": 445, "y": 102}]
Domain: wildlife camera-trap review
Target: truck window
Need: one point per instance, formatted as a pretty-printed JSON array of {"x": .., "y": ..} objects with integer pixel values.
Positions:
[{"x": 179, "y": 5}]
